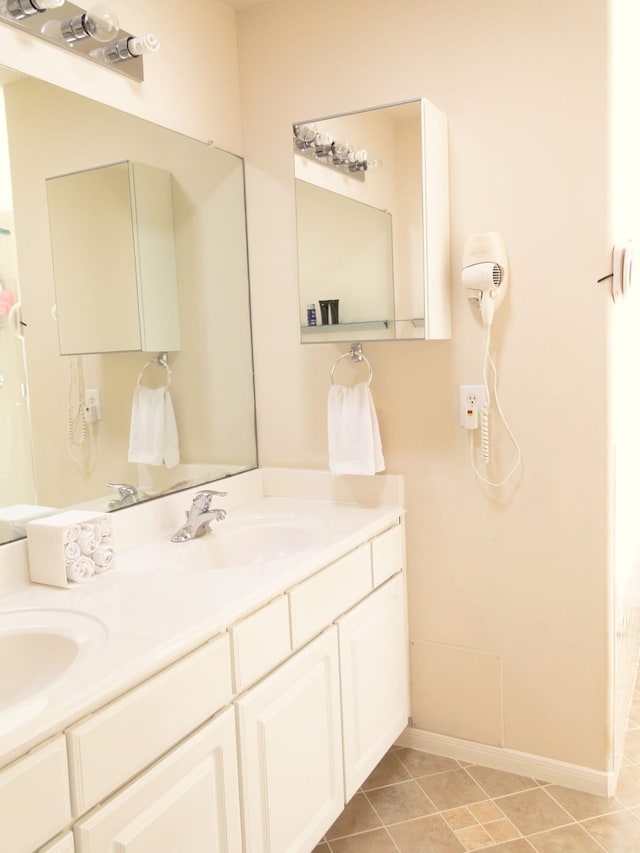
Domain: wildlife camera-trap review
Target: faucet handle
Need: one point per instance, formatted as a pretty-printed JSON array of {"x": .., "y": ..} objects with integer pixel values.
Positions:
[
  {"x": 202, "y": 499},
  {"x": 124, "y": 489}
]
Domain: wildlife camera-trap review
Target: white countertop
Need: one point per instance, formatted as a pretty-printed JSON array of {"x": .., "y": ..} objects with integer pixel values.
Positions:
[{"x": 161, "y": 601}]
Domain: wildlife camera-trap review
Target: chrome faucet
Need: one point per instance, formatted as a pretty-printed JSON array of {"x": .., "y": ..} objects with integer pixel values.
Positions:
[
  {"x": 127, "y": 495},
  {"x": 200, "y": 516}
]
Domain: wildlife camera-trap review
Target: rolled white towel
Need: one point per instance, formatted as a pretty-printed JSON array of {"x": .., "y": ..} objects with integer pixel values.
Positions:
[
  {"x": 103, "y": 528},
  {"x": 87, "y": 540},
  {"x": 72, "y": 532},
  {"x": 81, "y": 570},
  {"x": 72, "y": 552},
  {"x": 103, "y": 557}
]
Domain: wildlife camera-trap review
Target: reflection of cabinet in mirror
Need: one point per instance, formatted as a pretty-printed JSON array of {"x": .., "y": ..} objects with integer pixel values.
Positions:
[
  {"x": 372, "y": 212},
  {"x": 113, "y": 250}
]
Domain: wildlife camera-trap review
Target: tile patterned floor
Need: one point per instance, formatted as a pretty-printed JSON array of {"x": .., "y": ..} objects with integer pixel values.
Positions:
[{"x": 415, "y": 802}]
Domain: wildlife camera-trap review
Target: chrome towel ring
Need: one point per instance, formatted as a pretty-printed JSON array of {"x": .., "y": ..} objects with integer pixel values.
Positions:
[
  {"x": 162, "y": 360},
  {"x": 355, "y": 354}
]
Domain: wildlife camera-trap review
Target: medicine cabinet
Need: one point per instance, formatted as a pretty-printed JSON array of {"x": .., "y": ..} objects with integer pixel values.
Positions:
[
  {"x": 113, "y": 251},
  {"x": 372, "y": 216}
]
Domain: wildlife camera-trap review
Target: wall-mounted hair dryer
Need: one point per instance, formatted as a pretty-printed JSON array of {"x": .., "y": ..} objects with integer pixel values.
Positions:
[{"x": 485, "y": 273}]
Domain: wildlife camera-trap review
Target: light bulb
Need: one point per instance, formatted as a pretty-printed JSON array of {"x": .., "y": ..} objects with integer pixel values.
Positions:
[
  {"x": 126, "y": 48},
  {"x": 305, "y": 134},
  {"x": 340, "y": 152},
  {"x": 98, "y": 23},
  {"x": 17, "y": 9}
]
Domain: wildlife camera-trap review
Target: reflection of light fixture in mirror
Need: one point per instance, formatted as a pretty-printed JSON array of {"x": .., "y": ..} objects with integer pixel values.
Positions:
[
  {"x": 126, "y": 48},
  {"x": 98, "y": 23},
  {"x": 23, "y": 8},
  {"x": 323, "y": 147}
]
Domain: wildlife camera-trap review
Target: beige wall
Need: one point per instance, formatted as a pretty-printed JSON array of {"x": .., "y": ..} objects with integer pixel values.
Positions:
[{"x": 522, "y": 582}]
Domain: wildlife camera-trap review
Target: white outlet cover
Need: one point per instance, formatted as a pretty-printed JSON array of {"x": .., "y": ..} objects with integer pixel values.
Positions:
[{"x": 471, "y": 395}]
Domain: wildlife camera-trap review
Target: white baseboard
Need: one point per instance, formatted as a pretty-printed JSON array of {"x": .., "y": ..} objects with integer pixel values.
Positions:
[{"x": 510, "y": 760}]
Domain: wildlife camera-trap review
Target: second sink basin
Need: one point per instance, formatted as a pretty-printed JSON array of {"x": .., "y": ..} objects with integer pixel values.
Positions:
[
  {"x": 248, "y": 542},
  {"x": 37, "y": 649}
]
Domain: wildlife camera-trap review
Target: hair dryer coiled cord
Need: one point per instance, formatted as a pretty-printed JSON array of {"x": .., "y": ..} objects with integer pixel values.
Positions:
[{"x": 489, "y": 366}]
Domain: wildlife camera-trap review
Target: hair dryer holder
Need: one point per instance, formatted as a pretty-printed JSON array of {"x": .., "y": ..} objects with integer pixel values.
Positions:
[{"x": 485, "y": 273}]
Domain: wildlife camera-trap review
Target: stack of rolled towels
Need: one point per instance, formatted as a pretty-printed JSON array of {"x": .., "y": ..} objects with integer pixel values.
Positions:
[
  {"x": 70, "y": 547},
  {"x": 88, "y": 549}
]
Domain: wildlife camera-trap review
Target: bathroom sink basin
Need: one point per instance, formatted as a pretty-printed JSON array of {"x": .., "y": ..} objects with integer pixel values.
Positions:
[
  {"x": 37, "y": 649},
  {"x": 249, "y": 543}
]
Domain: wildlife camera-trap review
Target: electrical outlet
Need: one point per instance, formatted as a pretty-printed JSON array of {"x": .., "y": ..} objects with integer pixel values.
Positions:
[
  {"x": 92, "y": 405},
  {"x": 472, "y": 397}
]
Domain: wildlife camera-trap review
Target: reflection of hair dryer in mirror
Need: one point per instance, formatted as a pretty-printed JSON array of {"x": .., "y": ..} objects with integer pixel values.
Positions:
[{"x": 485, "y": 273}]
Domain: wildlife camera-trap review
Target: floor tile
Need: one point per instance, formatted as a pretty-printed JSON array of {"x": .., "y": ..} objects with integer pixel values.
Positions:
[
  {"x": 424, "y": 763},
  {"x": 426, "y": 835},
  {"x": 533, "y": 811},
  {"x": 376, "y": 841},
  {"x": 617, "y": 833},
  {"x": 451, "y": 789},
  {"x": 497, "y": 783},
  {"x": 581, "y": 805},
  {"x": 567, "y": 839},
  {"x": 485, "y": 811},
  {"x": 321, "y": 848},
  {"x": 459, "y": 818},
  {"x": 502, "y": 830},
  {"x": 628, "y": 790},
  {"x": 521, "y": 845},
  {"x": 358, "y": 815},
  {"x": 632, "y": 745},
  {"x": 388, "y": 771},
  {"x": 403, "y": 801},
  {"x": 474, "y": 837}
]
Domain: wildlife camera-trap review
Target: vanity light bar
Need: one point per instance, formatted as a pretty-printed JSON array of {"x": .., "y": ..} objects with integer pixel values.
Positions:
[
  {"x": 73, "y": 28},
  {"x": 321, "y": 146}
]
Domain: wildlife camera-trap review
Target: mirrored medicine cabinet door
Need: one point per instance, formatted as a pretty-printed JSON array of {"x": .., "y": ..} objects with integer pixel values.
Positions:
[
  {"x": 122, "y": 258},
  {"x": 372, "y": 218}
]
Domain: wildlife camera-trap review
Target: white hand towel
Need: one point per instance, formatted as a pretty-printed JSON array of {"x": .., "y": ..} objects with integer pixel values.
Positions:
[
  {"x": 354, "y": 436},
  {"x": 153, "y": 437}
]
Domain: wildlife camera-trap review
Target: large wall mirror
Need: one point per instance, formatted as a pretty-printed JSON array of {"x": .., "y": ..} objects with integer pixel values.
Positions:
[
  {"x": 51, "y": 457},
  {"x": 372, "y": 216}
]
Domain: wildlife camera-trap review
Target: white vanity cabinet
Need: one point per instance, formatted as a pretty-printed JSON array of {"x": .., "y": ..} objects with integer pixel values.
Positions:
[
  {"x": 373, "y": 679},
  {"x": 34, "y": 798},
  {"x": 186, "y": 803},
  {"x": 291, "y": 751},
  {"x": 312, "y": 731},
  {"x": 250, "y": 743}
]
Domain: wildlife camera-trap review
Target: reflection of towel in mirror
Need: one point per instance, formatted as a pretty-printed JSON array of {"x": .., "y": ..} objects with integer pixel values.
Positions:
[
  {"x": 153, "y": 438},
  {"x": 354, "y": 437}
]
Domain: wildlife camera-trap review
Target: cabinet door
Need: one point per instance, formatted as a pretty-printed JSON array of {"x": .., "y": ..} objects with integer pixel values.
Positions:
[
  {"x": 290, "y": 752},
  {"x": 63, "y": 844},
  {"x": 185, "y": 803},
  {"x": 374, "y": 679}
]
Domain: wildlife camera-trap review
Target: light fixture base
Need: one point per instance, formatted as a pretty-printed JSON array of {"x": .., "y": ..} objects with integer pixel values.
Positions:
[{"x": 132, "y": 68}]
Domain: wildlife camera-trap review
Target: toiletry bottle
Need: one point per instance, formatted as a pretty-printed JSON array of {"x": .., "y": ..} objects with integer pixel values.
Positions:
[{"x": 311, "y": 314}]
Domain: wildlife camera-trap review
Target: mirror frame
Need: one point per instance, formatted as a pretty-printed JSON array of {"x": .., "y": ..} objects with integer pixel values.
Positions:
[{"x": 433, "y": 231}]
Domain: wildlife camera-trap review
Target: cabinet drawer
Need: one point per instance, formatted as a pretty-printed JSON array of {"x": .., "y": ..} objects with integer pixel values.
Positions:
[
  {"x": 34, "y": 798},
  {"x": 63, "y": 844},
  {"x": 387, "y": 554},
  {"x": 260, "y": 642},
  {"x": 119, "y": 741},
  {"x": 188, "y": 801},
  {"x": 320, "y": 599}
]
